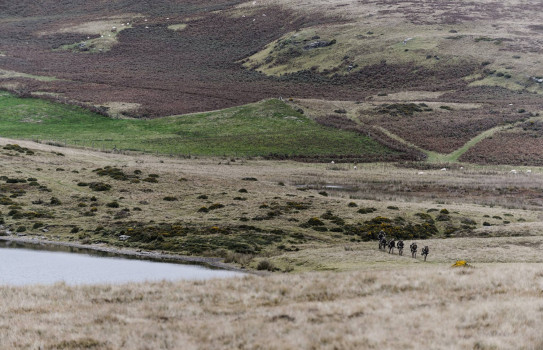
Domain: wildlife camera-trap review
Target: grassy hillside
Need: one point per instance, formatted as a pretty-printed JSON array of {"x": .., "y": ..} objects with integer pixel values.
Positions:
[
  {"x": 268, "y": 127},
  {"x": 297, "y": 216}
]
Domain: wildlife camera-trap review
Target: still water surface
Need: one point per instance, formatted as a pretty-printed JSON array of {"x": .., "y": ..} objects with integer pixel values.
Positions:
[{"x": 23, "y": 266}]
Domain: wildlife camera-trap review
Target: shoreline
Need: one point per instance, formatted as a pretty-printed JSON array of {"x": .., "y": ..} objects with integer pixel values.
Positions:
[{"x": 136, "y": 254}]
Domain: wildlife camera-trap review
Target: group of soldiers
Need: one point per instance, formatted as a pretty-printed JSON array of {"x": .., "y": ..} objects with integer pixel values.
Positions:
[{"x": 384, "y": 244}]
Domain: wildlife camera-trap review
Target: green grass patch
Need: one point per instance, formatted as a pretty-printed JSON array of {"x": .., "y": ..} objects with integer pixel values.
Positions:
[{"x": 263, "y": 128}]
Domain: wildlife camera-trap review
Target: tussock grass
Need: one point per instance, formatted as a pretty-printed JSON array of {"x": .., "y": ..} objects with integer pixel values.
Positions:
[{"x": 437, "y": 307}]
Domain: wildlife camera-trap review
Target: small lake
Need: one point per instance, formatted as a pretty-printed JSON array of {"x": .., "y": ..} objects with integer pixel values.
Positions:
[{"x": 29, "y": 264}]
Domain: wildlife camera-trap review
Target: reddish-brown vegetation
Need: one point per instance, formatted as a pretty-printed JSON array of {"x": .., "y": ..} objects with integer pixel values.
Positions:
[
  {"x": 447, "y": 131},
  {"x": 519, "y": 147},
  {"x": 195, "y": 69},
  {"x": 402, "y": 152}
]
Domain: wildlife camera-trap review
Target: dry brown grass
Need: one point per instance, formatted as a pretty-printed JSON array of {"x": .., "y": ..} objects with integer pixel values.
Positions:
[{"x": 433, "y": 307}]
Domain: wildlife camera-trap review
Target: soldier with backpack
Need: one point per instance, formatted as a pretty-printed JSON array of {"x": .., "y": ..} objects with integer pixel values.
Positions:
[
  {"x": 382, "y": 239},
  {"x": 391, "y": 246},
  {"x": 425, "y": 252},
  {"x": 413, "y": 248},
  {"x": 400, "y": 247}
]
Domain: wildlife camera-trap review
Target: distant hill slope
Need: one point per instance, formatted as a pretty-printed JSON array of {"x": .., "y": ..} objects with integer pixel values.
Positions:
[
  {"x": 161, "y": 58},
  {"x": 185, "y": 56}
]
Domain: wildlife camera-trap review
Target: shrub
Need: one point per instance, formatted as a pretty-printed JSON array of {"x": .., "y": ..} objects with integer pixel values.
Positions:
[
  {"x": 113, "y": 204},
  {"x": 114, "y": 173},
  {"x": 366, "y": 210},
  {"x": 170, "y": 199},
  {"x": 150, "y": 179},
  {"x": 250, "y": 179},
  {"x": 315, "y": 222},
  {"x": 393, "y": 207},
  {"x": 216, "y": 206},
  {"x": 37, "y": 225},
  {"x": 55, "y": 201},
  {"x": 468, "y": 221},
  {"x": 323, "y": 193},
  {"x": 443, "y": 217},
  {"x": 6, "y": 201},
  {"x": 14, "y": 181},
  {"x": 444, "y": 211},
  {"x": 424, "y": 216},
  {"x": 75, "y": 230},
  {"x": 265, "y": 265},
  {"x": 203, "y": 210},
  {"x": 202, "y": 196},
  {"x": 242, "y": 190},
  {"x": 99, "y": 186},
  {"x": 21, "y": 229},
  {"x": 486, "y": 223}
]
